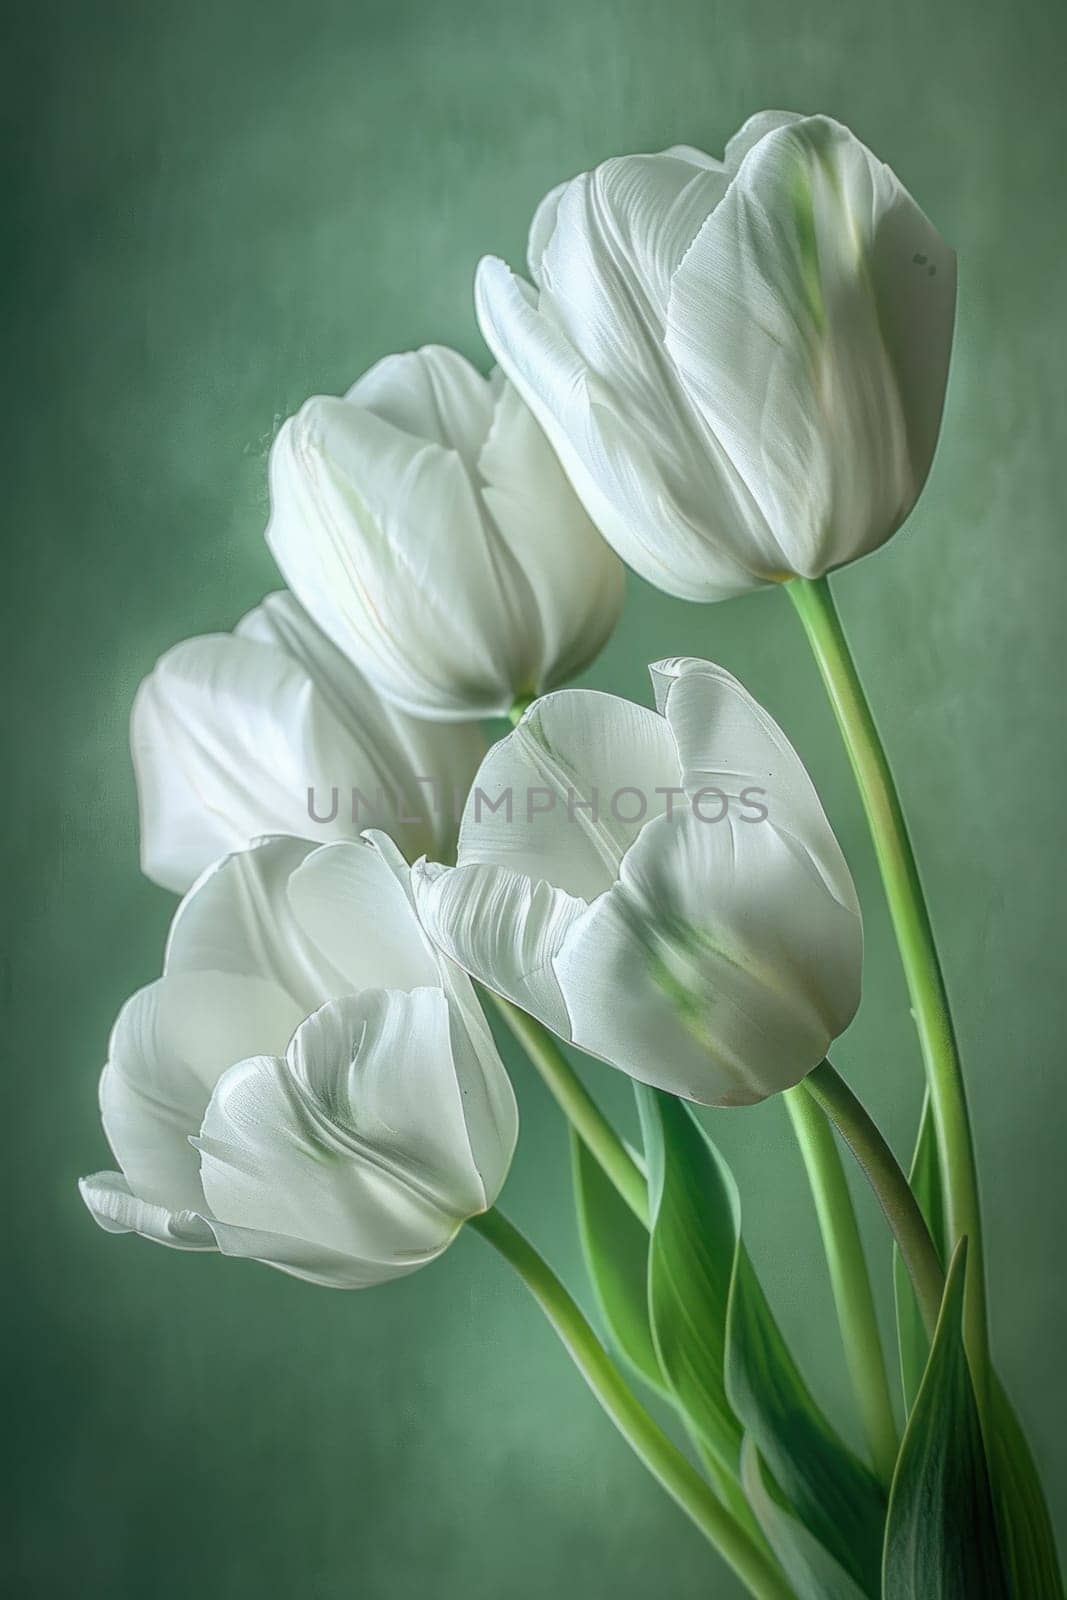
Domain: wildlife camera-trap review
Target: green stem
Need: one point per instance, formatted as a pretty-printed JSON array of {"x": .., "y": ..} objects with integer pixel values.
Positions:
[
  {"x": 578, "y": 1106},
  {"x": 859, "y": 1131},
  {"x": 520, "y": 705},
  {"x": 644, "y": 1436},
  {"x": 849, "y": 1279},
  {"x": 911, "y": 921}
]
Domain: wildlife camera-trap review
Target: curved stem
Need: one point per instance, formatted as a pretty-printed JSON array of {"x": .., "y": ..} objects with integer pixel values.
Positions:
[
  {"x": 849, "y": 1279},
  {"x": 911, "y": 921},
  {"x": 578, "y": 1105},
  {"x": 859, "y": 1131},
  {"x": 645, "y": 1437}
]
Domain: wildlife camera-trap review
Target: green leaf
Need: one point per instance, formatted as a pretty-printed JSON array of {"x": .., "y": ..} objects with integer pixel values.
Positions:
[
  {"x": 1027, "y": 1539},
  {"x": 835, "y": 1496},
  {"x": 811, "y": 1570},
  {"x": 941, "y": 1538},
  {"x": 693, "y": 1209},
  {"x": 925, "y": 1180},
  {"x": 721, "y": 1351},
  {"x": 1026, "y": 1535},
  {"x": 615, "y": 1246}
]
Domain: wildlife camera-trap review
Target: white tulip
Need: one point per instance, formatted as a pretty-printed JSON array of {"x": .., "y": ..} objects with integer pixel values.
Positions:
[
  {"x": 667, "y": 893},
  {"x": 270, "y": 730},
  {"x": 425, "y": 524},
  {"x": 309, "y": 1083},
  {"x": 742, "y": 365}
]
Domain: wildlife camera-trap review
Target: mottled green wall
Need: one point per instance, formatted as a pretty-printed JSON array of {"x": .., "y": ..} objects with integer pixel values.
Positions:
[{"x": 213, "y": 209}]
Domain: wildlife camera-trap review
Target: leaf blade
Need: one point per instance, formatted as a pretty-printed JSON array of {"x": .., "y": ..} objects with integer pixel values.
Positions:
[
  {"x": 834, "y": 1494},
  {"x": 941, "y": 1534},
  {"x": 925, "y": 1180},
  {"x": 615, "y": 1247},
  {"x": 810, "y": 1568}
]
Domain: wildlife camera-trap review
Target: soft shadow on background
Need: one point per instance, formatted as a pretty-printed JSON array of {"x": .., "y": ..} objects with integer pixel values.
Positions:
[{"x": 213, "y": 210}]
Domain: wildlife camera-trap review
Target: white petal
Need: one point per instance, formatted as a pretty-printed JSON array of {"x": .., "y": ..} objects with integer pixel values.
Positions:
[
  {"x": 488, "y": 1099},
  {"x": 433, "y": 393},
  {"x": 542, "y": 228},
  {"x": 729, "y": 743},
  {"x": 117, "y": 1210},
  {"x": 238, "y": 918},
  {"x": 502, "y": 928},
  {"x": 719, "y": 967},
  {"x": 751, "y": 132},
  {"x": 383, "y": 538},
  {"x": 571, "y": 749},
  {"x": 272, "y": 730},
  {"x": 553, "y": 382},
  {"x": 648, "y": 472},
  {"x": 356, "y": 1143},
  {"x": 306, "y": 1259},
  {"x": 620, "y": 232},
  {"x": 170, "y": 1044},
  {"x": 576, "y": 581},
  {"x": 348, "y": 900},
  {"x": 380, "y": 1066},
  {"x": 775, "y": 326},
  {"x": 408, "y": 771},
  {"x": 227, "y": 738}
]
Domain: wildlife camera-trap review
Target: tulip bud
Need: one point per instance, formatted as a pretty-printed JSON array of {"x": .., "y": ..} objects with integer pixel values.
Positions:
[
  {"x": 426, "y": 526},
  {"x": 683, "y": 911},
  {"x": 741, "y": 365},
  {"x": 309, "y": 1083},
  {"x": 270, "y": 730}
]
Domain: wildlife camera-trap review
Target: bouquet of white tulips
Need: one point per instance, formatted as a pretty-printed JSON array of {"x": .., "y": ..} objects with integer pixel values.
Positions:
[{"x": 728, "y": 374}]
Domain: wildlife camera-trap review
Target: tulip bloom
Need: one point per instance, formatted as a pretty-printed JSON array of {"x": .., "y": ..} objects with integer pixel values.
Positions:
[
  {"x": 270, "y": 730},
  {"x": 426, "y": 525},
  {"x": 742, "y": 365},
  {"x": 682, "y": 910},
  {"x": 308, "y": 1084}
]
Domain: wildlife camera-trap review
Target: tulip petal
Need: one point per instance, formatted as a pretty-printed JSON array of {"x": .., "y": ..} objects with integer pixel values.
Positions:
[
  {"x": 727, "y": 742},
  {"x": 349, "y": 902},
  {"x": 238, "y": 918},
  {"x": 542, "y": 227},
  {"x": 753, "y": 130},
  {"x": 718, "y": 968},
  {"x": 359, "y": 512},
  {"x": 228, "y": 736},
  {"x": 648, "y": 484},
  {"x": 113, "y": 1205},
  {"x": 630, "y": 220},
  {"x": 271, "y": 730},
  {"x": 775, "y": 330},
  {"x": 308, "y": 1260},
  {"x": 408, "y": 771},
  {"x": 576, "y": 581},
  {"x": 356, "y": 1142},
  {"x": 550, "y": 377},
  {"x": 169, "y": 1046},
  {"x": 503, "y": 928},
  {"x": 581, "y": 769},
  {"x": 433, "y": 393}
]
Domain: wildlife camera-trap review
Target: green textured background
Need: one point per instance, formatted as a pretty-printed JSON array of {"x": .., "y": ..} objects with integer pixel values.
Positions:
[{"x": 212, "y": 210}]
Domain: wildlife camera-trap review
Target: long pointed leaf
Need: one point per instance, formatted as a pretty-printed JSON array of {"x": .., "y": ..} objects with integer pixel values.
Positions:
[
  {"x": 1027, "y": 1538},
  {"x": 1026, "y": 1535},
  {"x": 615, "y": 1246},
  {"x": 941, "y": 1533},
  {"x": 925, "y": 1180},
  {"x": 836, "y": 1497},
  {"x": 693, "y": 1241},
  {"x": 721, "y": 1350},
  {"x": 811, "y": 1570}
]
